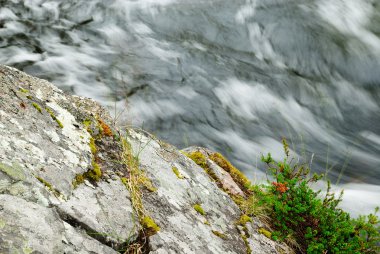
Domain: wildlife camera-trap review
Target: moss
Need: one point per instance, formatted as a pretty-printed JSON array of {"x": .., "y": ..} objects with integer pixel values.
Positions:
[
  {"x": 24, "y": 90},
  {"x": 92, "y": 146},
  {"x": 52, "y": 115},
  {"x": 44, "y": 182},
  {"x": 177, "y": 173},
  {"x": 146, "y": 182},
  {"x": 59, "y": 123},
  {"x": 245, "y": 240},
  {"x": 124, "y": 180},
  {"x": 265, "y": 232},
  {"x": 198, "y": 158},
  {"x": 244, "y": 219},
  {"x": 206, "y": 222},
  {"x": 238, "y": 176},
  {"x": 201, "y": 160},
  {"x": 149, "y": 225},
  {"x": 104, "y": 128},
  {"x": 79, "y": 179},
  {"x": 48, "y": 185},
  {"x": 95, "y": 173},
  {"x": 87, "y": 123},
  {"x": 29, "y": 97},
  {"x": 36, "y": 106},
  {"x": 199, "y": 209},
  {"x": 219, "y": 234}
]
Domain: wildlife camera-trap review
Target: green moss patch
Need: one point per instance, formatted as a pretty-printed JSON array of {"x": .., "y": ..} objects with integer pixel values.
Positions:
[
  {"x": 92, "y": 146},
  {"x": 199, "y": 209},
  {"x": 177, "y": 173},
  {"x": 52, "y": 115},
  {"x": 49, "y": 186},
  {"x": 246, "y": 242},
  {"x": 24, "y": 90},
  {"x": 198, "y": 158},
  {"x": 219, "y": 234},
  {"x": 265, "y": 232},
  {"x": 36, "y": 106},
  {"x": 244, "y": 219},
  {"x": 149, "y": 225},
  {"x": 94, "y": 174}
]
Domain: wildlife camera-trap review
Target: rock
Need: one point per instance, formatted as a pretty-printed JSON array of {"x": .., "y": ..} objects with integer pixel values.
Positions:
[
  {"x": 108, "y": 202},
  {"x": 45, "y": 146},
  {"x": 71, "y": 182},
  {"x": 183, "y": 229},
  {"x": 224, "y": 178}
]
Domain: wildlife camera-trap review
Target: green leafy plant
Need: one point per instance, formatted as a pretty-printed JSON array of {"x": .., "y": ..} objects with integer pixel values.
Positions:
[{"x": 318, "y": 225}]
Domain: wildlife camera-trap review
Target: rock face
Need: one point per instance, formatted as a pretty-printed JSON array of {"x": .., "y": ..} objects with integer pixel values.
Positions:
[{"x": 65, "y": 186}]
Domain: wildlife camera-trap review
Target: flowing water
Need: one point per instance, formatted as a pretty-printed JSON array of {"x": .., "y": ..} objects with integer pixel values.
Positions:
[{"x": 234, "y": 76}]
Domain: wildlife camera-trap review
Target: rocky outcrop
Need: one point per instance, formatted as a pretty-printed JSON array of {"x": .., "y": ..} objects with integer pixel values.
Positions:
[{"x": 68, "y": 183}]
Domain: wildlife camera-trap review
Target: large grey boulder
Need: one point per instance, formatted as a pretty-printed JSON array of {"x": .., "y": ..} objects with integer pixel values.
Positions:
[
  {"x": 65, "y": 184},
  {"x": 44, "y": 145}
]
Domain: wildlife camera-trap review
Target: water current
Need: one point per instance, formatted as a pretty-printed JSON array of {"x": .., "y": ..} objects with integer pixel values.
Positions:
[{"x": 235, "y": 76}]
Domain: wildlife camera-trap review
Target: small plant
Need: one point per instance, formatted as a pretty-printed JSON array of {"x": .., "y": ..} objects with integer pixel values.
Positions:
[{"x": 317, "y": 225}]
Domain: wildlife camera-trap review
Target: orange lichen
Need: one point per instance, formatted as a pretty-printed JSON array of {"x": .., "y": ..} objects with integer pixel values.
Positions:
[{"x": 105, "y": 128}]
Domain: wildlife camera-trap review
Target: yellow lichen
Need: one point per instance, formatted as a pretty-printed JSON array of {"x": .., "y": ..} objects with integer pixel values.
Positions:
[
  {"x": 177, "y": 173},
  {"x": 48, "y": 186},
  {"x": 265, "y": 232},
  {"x": 219, "y": 234},
  {"x": 124, "y": 180},
  {"x": 94, "y": 174},
  {"x": 238, "y": 176},
  {"x": 92, "y": 146},
  {"x": 149, "y": 225},
  {"x": 79, "y": 179},
  {"x": 24, "y": 90},
  {"x": 198, "y": 158},
  {"x": 245, "y": 239},
  {"x": 199, "y": 209},
  {"x": 244, "y": 219},
  {"x": 201, "y": 160},
  {"x": 87, "y": 123},
  {"x": 54, "y": 117},
  {"x": 36, "y": 106}
]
